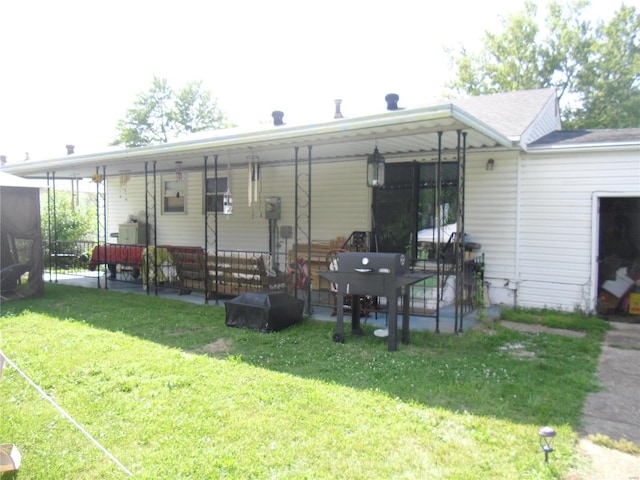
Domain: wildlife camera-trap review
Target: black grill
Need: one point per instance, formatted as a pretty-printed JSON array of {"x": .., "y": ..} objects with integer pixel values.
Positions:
[{"x": 376, "y": 274}]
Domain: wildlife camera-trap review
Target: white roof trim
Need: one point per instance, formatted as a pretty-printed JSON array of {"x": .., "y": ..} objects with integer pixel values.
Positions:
[{"x": 390, "y": 124}]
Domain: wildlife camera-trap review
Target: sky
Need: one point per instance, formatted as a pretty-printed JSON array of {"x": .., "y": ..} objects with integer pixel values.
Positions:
[{"x": 71, "y": 69}]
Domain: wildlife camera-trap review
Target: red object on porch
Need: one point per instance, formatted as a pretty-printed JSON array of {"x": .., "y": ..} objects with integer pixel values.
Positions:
[
  {"x": 111, "y": 253},
  {"x": 129, "y": 255}
]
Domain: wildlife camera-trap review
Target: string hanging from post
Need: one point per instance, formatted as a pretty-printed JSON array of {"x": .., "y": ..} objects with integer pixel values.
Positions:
[{"x": 253, "y": 181}]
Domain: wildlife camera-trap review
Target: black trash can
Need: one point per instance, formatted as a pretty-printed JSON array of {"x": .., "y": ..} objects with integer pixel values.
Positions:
[{"x": 263, "y": 311}]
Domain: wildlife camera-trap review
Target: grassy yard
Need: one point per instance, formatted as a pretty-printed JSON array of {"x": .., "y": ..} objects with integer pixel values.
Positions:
[{"x": 173, "y": 393}]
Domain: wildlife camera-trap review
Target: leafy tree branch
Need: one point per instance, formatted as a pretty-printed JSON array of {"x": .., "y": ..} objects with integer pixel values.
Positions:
[{"x": 160, "y": 115}]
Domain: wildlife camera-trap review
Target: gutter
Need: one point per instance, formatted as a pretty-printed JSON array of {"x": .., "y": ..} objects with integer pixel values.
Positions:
[
  {"x": 600, "y": 146},
  {"x": 337, "y": 131}
]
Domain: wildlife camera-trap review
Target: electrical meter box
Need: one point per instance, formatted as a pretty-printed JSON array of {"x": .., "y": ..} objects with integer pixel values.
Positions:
[{"x": 272, "y": 208}]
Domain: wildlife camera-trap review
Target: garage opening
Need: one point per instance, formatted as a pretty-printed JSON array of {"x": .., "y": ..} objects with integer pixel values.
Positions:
[{"x": 619, "y": 256}]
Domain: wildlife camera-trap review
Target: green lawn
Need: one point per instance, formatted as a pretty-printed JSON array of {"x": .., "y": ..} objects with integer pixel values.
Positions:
[{"x": 173, "y": 393}]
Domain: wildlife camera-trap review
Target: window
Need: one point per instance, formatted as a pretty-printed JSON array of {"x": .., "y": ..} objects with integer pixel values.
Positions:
[
  {"x": 173, "y": 196},
  {"x": 214, "y": 194}
]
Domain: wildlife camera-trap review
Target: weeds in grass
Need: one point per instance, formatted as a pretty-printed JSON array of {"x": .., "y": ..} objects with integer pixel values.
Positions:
[{"x": 622, "y": 445}]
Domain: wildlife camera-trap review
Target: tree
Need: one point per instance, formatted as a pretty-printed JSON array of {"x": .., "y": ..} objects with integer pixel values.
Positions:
[
  {"x": 497, "y": 68},
  {"x": 609, "y": 83},
  {"x": 594, "y": 70},
  {"x": 73, "y": 222},
  {"x": 160, "y": 115}
]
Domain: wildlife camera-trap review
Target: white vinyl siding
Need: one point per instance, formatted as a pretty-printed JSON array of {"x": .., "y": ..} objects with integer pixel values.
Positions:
[
  {"x": 547, "y": 121},
  {"x": 340, "y": 205},
  {"x": 491, "y": 218},
  {"x": 123, "y": 201},
  {"x": 533, "y": 214},
  {"x": 556, "y": 227}
]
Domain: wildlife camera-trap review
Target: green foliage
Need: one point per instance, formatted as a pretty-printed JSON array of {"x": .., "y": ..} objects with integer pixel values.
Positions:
[
  {"x": 592, "y": 325},
  {"x": 172, "y": 392},
  {"x": 609, "y": 82},
  {"x": 68, "y": 222},
  {"x": 161, "y": 114},
  {"x": 593, "y": 69}
]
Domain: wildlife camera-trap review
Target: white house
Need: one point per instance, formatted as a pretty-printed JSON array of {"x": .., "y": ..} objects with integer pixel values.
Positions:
[{"x": 556, "y": 213}]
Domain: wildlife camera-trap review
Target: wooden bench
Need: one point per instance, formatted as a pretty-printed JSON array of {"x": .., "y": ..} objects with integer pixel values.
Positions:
[{"x": 228, "y": 274}]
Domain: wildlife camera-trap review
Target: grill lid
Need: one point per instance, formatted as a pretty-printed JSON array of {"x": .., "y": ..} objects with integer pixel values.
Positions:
[{"x": 371, "y": 262}]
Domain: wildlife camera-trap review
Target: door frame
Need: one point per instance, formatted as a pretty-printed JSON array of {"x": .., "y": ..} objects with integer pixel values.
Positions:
[{"x": 596, "y": 198}]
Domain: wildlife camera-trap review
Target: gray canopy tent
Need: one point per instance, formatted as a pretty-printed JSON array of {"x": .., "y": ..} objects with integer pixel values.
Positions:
[{"x": 21, "y": 259}]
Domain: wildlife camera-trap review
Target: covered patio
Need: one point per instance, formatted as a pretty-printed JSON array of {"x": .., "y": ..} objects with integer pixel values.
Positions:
[{"x": 299, "y": 158}]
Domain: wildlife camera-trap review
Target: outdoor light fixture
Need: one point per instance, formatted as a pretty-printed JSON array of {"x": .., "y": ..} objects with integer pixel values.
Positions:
[
  {"x": 375, "y": 169},
  {"x": 547, "y": 434},
  {"x": 490, "y": 164}
]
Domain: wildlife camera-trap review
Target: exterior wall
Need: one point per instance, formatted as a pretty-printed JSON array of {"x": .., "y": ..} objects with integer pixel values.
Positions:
[
  {"x": 491, "y": 219},
  {"x": 557, "y": 225},
  {"x": 340, "y": 205},
  {"x": 533, "y": 214}
]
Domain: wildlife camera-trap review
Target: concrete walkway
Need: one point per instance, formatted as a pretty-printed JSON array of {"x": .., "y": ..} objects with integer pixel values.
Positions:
[{"x": 614, "y": 411}]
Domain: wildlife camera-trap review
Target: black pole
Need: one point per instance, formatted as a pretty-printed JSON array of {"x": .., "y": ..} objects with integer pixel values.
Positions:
[
  {"x": 295, "y": 228},
  {"x": 104, "y": 218},
  {"x": 206, "y": 232},
  {"x": 55, "y": 228},
  {"x": 146, "y": 213},
  {"x": 461, "y": 207},
  {"x": 99, "y": 240},
  {"x": 308, "y": 283},
  {"x": 456, "y": 245},
  {"x": 49, "y": 226},
  {"x": 155, "y": 219},
  {"x": 438, "y": 220},
  {"x": 215, "y": 225}
]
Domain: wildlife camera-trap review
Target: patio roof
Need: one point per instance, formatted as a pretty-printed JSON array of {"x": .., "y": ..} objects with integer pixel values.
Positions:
[{"x": 408, "y": 133}]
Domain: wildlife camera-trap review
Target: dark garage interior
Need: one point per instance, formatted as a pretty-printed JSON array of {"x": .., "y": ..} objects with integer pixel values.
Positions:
[{"x": 619, "y": 256}]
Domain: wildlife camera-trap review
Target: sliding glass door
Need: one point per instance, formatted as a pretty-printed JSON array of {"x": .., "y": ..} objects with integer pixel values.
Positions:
[{"x": 409, "y": 202}]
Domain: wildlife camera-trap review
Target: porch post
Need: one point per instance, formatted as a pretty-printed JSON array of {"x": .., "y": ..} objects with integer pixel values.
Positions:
[
  {"x": 55, "y": 228},
  {"x": 49, "y": 225},
  {"x": 308, "y": 283},
  {"x": 457, "y": 255},
  {"x": 461, "y": 208},
  {"x": 295, "y": 226},
  {"x": 438, "y": 229}
]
